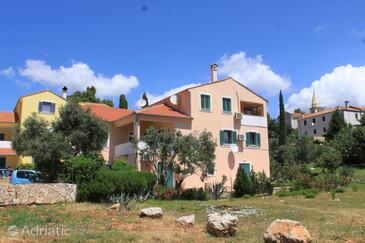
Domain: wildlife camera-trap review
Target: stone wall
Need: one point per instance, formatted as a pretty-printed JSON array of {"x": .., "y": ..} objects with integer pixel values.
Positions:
[{"x": 37, "y": 193}]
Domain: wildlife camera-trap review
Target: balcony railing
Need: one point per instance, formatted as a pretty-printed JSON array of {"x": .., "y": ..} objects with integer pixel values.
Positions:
[
  {"x": 124, "y": 149},
  {"x": 250, "y": 120},
  {"x": 5, "y": 144}
]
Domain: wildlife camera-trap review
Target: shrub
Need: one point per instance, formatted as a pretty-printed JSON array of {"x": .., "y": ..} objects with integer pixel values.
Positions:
[
  {"x": 354, "y": 187},
  {"x": 26, "y": 166},
  {"x": 218, "y": 188},
  {"x": 194, "y": 194},
  {"x": 340, "y": 190},
  {"x": 242, "y": 184},
  {"x": 122, "y": 165},
  {"x": 310, "y": 195},
  {"x": 262, "y": 183},
  {"x": 164, "y": 192}
]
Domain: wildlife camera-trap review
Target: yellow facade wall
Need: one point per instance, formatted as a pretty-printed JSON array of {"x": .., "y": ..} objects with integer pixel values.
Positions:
[
  {"x": 8, "y": 132},
  {"x": 28, "y": 105},
  {"x": 11, "y": 161}
]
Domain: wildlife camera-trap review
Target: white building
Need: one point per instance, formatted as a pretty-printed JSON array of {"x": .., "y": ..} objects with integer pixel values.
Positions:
[{"x": 316, "y": 123}]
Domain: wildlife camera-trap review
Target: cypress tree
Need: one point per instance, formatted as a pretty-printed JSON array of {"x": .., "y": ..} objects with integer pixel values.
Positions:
[
  {"x": 123, "y": 103},
  {"x": 282, "y": 126},
  {"x": 336, "y": 124},
  {"x": 144, "y": 97}
]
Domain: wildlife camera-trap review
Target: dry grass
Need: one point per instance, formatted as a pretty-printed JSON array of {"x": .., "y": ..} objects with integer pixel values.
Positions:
[{"x": 328, "y": 221}]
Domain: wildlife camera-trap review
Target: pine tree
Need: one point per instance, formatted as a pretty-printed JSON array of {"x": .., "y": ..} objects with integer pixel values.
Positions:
[
  {"x": 242, "y": 184},
  {"x": 144, "y": 97},
  {"x": 123, "y": 103},
  {"x": 282, "y": 126}
]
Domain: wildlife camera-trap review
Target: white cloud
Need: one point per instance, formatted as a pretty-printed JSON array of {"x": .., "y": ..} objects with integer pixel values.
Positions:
[
  {"x": 152, "y": 98},
  {"x": 78, "y": 77},
  {"x": 8, "y": 72},
  {"x": 343, "y": 83},
  {"x": 320, "y": 28},
  {"x": 252, "y": 72}
]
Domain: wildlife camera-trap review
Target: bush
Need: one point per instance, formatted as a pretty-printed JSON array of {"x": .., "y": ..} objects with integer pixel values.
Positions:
[
  {"x": 340, "y": 190},
  {"x": 242, "y": 184},
  {"x": 218, "y": 188},
  {"x": 122, "y": 165},
  {"x": 164, "y": 192},
  {"x": 194, "y": 194},
  {"x": 310, "y": 195},
  {"x": 26, "y": 166},
  {"x": 261, "y": 183}
]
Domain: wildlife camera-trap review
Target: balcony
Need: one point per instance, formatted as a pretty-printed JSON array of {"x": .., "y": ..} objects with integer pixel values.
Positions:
[
  {"x": 124, "y": 149},
  {"x": 5, "y": 145},
  {"x": 251, "y": 120}
]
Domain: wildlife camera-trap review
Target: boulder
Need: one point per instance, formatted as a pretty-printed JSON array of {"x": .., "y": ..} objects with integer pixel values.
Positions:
[
  {"x": 288, "y": 231},
  {"x": 115, "y": 206},
  {"x": 186, "y": 220},
  {"x": 222, "y": 225},
  {"x": 152, "y": 212}
]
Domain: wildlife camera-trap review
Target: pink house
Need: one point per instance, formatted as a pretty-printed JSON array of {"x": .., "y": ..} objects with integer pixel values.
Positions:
[{"x": 232, "y": 112}]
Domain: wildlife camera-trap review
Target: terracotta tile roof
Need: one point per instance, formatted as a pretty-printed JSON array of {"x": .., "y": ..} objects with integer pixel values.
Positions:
[
  {"x": 7, "y": 152},
  {"x": 162, "y": 110},
  {"x": 8, "y": 117},
  {"x": 105, "y": 112},
  {"x": 318, "y": 113},
  {"x": 297, "y": 114}
]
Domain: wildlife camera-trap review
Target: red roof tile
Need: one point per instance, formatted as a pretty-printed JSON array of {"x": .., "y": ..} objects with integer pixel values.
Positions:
[
  {"x": 162, "y": 110},
  {"x": 8, "y": 117},
  {"x": 7, "y": 152},
  {"x": 105, "y": 112}
]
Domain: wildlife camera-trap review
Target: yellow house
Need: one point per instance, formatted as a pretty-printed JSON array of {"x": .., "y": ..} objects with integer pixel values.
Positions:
[{"x": 44, "y": 104}]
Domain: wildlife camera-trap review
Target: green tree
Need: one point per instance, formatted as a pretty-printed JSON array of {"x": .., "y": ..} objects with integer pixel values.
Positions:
[
  {"x": 123, "y": 103},
  {"x": 330, "y": 158},
  {"x": 282, "y": 125},
  {"x": 144, "y": 97},
  {"x": 336, "y": 124},
  {"x": 345, "y": 142},
  {"x": 359, "y": 148},
  {"x": 362, "y": 120},
  {"x": 88, "y": 96},
  {"x": 298, "y": 110},
  {"x": 84, "y": 132},
  {"x": 242, "y": 184},
  {"x": 47, "y": 147}
]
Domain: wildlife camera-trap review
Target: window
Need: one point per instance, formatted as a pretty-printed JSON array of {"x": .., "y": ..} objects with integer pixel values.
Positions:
[
  {"x": 25, "y": 174},
  {"x": 314, "y": 131},
  {"x": 130, "y": 137},
  {"x": 46, "y": 107},
  {"x": 314, "y": 120},
  {"x": 211, "y": 171},
  {"x": 2, "y": 162},
  {"x": 324, "y": 129},
  {"x": 305, "y": 122},
  {"x": 228, "y": 137},
  {"x": 205, "y": 102},
  {"x": 323, "y": 118},
  {"x": 305, "y": 133},
  {"x": 357, "y": 116},
  {"x": 2, "y": 137},
  {"x": 227, "y": 106},
  {"x": 253, "y": 139}
]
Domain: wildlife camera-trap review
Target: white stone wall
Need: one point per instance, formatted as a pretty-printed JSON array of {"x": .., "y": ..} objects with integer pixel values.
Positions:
[
  {"x": 320, "y": 126},
  {"x": 352, "y": 117},
  {"x": 36, "y": 193}
]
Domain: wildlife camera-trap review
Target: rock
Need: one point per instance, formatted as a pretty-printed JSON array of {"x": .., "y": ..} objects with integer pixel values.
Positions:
[
  {"x": 222, "y": 225},
  {"x": 288, "y": 231},
  {"x": 115, "y": 206},
  {"x": 186, "y": 220},
  {"x": 152, "y": 212}
]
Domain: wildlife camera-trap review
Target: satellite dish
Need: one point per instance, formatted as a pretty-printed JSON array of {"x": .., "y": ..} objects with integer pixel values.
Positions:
[
  {"x": 141, "y": 145},
  {"x": 142, "y": 102},
  {"x": 234, "y": 148},
  {"x": 175, "y": 99}
]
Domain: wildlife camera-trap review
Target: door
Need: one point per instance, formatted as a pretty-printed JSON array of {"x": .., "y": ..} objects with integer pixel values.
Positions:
[
  {"x": 170, "y": 174},
  {"x": 2, "y": 162},
  {"x": 246, "y": 167}
]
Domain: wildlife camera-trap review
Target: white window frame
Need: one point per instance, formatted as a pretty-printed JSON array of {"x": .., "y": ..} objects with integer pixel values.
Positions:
[
  {"x": 48, "y": 101},
  {"x": 200, "y": 102},
  {"x": 227, "y": 112}
]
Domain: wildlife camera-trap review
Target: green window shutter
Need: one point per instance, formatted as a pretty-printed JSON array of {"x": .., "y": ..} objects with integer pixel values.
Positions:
[
  {"x": 258, "y": 140},
  {"x": 228, "y": 105},
  {"x": 234, "y": 137},
  {"x": 208, "y": 102},
  {"x": 247, "y": 139},
  {"x": 221, "y": 137},
  {"x": 159, "y": 169}
]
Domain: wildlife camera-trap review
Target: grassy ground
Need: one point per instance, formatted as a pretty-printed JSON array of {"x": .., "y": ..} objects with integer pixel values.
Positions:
[{"x": 327, "y": 220}]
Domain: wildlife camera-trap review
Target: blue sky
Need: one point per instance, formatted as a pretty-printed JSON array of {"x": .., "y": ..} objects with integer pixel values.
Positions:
[{"x": 158, "y": 46}]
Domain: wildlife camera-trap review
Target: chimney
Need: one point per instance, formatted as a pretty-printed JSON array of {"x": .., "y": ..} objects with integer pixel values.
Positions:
[
  {"x": 213, "y": 72},
  {"x": 346, "y": 104},
  {"x": 64, "y": 92}
]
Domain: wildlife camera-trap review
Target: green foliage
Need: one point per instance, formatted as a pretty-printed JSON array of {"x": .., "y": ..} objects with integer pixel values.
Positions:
[
  {"x": 329, "y": 159},
  {"x": 346, "y": 144},
  {"x": 298, "y": 110},
  {"x": 80, "y": 169},
  {"x": 242, "y": 184},
  {"x": 84, "y": 132},
  {"x": 88, "y": 96},
  {"x": 25, "y": 166},
  {"x": 194, "y": 194},
  {"x": 261, "y": 184},
  {"x": 308, "y": 193},
  {"x": 122, "y": 165},
  {"x": 165, "y": 192},
  {"x": 218, "y": 188},
  {"x": 123, "y": 103},
  {"x": 124, "y": 199},
  {"x": 282, "y": 126},
  {"x": 184, "y": 154},
  {"x": 336, "y": 124}
]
